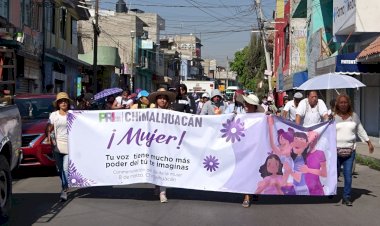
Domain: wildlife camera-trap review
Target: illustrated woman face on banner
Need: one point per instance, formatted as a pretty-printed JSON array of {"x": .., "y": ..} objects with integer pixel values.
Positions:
[
  {"x": 300, "y": 142},
  {"x": 272, "y": 166},
  {"x": 312, "y": 136}
]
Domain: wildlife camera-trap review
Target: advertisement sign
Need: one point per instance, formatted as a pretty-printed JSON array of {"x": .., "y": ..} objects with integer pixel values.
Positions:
[
  {"x": 344, "y": 15},
  {"x": 146, "y": 44},
  {"x": 79, "y": 85}
]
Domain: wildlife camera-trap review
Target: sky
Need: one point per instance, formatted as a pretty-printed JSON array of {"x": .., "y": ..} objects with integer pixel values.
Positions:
[{"x": 224, "y": 26}]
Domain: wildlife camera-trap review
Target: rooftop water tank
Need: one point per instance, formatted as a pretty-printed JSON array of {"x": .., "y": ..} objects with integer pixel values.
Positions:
[{"x": 121, "y": 7}]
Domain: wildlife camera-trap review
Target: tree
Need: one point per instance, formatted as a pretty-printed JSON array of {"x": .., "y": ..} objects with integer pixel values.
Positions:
[
  {"x": 239, "y": 65},
  {"x": 249, "y": 65}
]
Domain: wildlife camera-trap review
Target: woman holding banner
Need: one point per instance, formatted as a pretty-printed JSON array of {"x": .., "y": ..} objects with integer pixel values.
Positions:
[
  {"x": 57, "y": 135},
  {"x": 142, "y": 100},
  {"x": 251, "y": 105},
  {"x": 348, "y": 126},
  {"x": 215, "y": 106},
  {"x": 162, "y": 100}
]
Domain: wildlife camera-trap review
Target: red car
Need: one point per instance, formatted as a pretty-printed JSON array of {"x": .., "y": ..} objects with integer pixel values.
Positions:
[{"x": 35, "y": 110}]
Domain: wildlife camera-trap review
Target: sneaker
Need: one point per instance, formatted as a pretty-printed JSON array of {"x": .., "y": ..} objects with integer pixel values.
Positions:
[
  {"x": 246, "y": 203},
  {"x": 63, "y": 195},
  {"x": 163, "y": 198},
  {"x": 347, "y": 202}
]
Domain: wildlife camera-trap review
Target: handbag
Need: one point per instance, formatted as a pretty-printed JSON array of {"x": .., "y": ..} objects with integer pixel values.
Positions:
[{"x": 345, "y": 152}]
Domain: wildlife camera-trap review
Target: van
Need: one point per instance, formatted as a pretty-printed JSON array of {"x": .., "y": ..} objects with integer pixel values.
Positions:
[{"x": 231, "y": 90}]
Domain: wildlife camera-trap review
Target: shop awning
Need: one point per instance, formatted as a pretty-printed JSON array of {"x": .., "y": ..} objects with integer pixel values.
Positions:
[
  {"x": 371, "y": 53},
  {"x": 347, "y": 64},
  {"x": 299, "y": 78}
]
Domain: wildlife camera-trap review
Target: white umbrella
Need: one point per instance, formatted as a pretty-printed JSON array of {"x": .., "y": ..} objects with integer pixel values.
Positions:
[{"x": 331, "y": 81}]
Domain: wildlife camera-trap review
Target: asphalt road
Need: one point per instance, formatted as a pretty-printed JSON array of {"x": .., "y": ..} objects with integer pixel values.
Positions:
[{"x": 36, "y": 202}]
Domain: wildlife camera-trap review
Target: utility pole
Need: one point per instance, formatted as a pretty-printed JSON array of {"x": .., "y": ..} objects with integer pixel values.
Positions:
[
  {"x": 95, "y": 58},
  {"x": 227, "y": 69},
  {"x": 260, "y": 20},
  {"x": 132, "y": 80}
]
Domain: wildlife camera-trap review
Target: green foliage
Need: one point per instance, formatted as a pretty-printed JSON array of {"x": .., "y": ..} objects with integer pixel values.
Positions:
[
  {"x": 249, "y": 65},
  {"x": 372, "y": 163},
  {"x": 238, "y": 65}
]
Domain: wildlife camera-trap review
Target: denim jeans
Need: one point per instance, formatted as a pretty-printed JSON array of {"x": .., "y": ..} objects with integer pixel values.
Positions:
[
  {"x": 62, "y": 163},
  {"x": 347, "y": 173}
]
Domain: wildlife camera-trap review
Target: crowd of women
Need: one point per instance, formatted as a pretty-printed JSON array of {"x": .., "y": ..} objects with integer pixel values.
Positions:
[{"x": 348, "y": 123}]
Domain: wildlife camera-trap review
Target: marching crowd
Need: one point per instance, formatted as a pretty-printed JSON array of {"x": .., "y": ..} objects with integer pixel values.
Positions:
[{"x": 303, "y": 111}]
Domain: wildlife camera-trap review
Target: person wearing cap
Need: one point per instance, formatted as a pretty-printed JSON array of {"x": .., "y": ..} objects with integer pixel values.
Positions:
[
  {"x": 162, "y": 100},
  {"x": 183, "y": 102},
  {"x": 290, "y": 109},
  {"x": 57, "y": 135},
  {"x": 215, "y": 106},
  {"x": 311, "y": 110},
  {"x": 285, "y": 99},
  {"x": 251, "y": 105},
  {"x": 142, "y": 100},
  {"x": 123, "y": 101},
  {"x": 202, "y": 101},
  {"x": 238, "y": 103},
  {"x": 269, "y": 106}
]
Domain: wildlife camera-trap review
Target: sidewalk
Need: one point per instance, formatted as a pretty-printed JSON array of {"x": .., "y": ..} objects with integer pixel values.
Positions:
[{"x": 362, "y": 149}]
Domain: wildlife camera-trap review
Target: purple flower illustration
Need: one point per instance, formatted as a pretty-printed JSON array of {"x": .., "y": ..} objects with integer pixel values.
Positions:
[
  {"x": 233, "y": 130},
  {"x": 75, "y": 179},
  {"x": 211, "y": 163},
  {"x": 70, "y": 120}
]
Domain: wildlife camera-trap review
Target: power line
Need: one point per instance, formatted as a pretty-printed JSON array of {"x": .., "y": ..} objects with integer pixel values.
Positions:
[{"x": 191, "y": 2}]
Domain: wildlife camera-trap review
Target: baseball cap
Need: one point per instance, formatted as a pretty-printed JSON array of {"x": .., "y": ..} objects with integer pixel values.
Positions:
[
  {"x": 298, "y": 95},
  {"x": 205, "y": 95},
  {"x": 142, "y": 93}
]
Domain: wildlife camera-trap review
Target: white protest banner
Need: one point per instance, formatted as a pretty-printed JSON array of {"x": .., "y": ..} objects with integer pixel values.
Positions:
[{"x": 216, "y": 153}]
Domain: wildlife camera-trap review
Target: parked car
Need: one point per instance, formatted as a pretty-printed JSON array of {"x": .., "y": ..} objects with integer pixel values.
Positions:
[
  {"x": 35, "y": 110},
  {"x": 10, "y": 153}
]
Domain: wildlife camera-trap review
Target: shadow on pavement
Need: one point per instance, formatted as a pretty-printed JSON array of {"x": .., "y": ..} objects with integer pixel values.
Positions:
[
  {"x": 147, "y": 194},
  {"x": 25, "y": 172},
  {"x": 30, "y": 208}
]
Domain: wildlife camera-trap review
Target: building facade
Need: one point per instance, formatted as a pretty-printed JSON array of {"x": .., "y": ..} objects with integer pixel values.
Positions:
[
  {"x": 39, "y": 45},
  {"x": 134, "y": 34}
]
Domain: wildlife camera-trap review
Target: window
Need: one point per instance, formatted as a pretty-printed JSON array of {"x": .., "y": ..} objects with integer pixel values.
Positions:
[
  {"x": 63, "y": 22},
  {"x": 50, "y": 18},
  {"x": 25, "y": 14},
  {"x": 74, "y": 32},
  {"x": 4, "y": 8},
  {"x": 36, "y": 17}
]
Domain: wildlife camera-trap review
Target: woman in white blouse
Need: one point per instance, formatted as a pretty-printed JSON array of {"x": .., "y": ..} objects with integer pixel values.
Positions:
[
  {"x": 58, "y": 127},
  {"x": 348, "y": 126}
]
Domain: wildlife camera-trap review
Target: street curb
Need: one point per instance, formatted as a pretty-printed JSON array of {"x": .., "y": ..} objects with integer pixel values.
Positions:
[{"x": 371, "y": 162}]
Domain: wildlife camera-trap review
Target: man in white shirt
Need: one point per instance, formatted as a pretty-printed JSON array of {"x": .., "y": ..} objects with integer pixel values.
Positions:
[
  {"x": 290, "y": 109},
  {"x": 311, "y": 110}
]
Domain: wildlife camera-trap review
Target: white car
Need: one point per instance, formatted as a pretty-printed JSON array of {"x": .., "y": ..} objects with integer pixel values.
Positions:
[{"x": 10, "y": 154}]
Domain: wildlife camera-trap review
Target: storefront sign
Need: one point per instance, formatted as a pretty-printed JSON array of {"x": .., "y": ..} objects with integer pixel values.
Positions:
[
  {"x": 146, "y": 44},
  {"x": 343, "y": 15}
]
